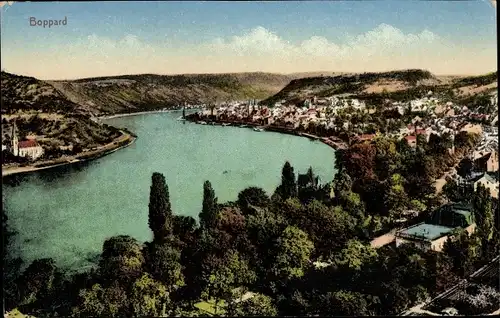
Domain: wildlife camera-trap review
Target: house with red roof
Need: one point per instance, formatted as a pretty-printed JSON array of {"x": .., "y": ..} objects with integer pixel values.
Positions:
[
  {"x": 29, "y": 148},
  {"x": 412, "y": 141}
]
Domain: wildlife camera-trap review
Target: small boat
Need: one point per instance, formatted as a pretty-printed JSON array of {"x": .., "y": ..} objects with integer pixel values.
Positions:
[
  {"x": 243, "y": 126},
  {"x": 202, "y": 122},
  {"x": 258, "y": 129},
  {"x": 226, "y": 124}
]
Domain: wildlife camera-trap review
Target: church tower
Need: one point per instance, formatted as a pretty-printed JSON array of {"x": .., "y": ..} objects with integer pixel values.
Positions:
[{"x": 15, "y": 141}]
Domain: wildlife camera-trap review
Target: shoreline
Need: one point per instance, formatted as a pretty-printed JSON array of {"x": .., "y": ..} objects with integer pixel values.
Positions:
[
  {"x": 336, "y": 145},
  {"x": 142, "y": 113},
  {"x": 9, "y": 171}
]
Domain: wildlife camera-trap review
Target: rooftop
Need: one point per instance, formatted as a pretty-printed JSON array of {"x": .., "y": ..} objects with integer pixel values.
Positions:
[
  {"x": 426, "y": 231},
  {"x": 490, "y": 177},
  {"x": 27, "y": 144}
]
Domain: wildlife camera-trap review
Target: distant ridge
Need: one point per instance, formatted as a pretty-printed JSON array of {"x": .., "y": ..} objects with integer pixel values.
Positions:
[{"x": 143, "y": 92}]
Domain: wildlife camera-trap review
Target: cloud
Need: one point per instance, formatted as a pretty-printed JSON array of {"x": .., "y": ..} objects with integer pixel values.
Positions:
[
  {"x": 259, "y": 49},
  {"x": 381, "y": 40}
]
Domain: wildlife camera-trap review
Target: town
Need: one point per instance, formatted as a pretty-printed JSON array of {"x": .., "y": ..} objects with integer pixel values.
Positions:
[{"x": 343, "y": 122}]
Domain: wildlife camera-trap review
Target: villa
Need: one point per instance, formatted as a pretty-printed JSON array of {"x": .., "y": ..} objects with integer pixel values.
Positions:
[
  {"x": 424, "y": 236},
  {"x": 432, "y": 234}
]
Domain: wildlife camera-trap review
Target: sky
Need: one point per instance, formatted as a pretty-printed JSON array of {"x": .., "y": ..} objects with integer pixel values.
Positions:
[{"x": 167, "y": 37}]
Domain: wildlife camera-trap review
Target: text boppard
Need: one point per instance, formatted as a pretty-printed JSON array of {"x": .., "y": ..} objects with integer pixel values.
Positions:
[{"x": 47, "y": 23}]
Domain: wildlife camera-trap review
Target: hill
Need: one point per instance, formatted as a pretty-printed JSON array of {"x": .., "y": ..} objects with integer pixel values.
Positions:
[
  {"x": 43, "y": 113},
  {"x": 144, "y": 92},
  {"x": 395, "y": 85},
  {"x": 323, "y": 86},
  {"x": 30, "y": 94}
]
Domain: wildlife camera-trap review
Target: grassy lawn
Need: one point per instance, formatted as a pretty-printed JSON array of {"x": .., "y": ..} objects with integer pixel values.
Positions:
[{"x": 209, "y": 306}]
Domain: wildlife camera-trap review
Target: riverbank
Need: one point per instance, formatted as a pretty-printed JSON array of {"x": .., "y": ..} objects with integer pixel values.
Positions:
[
  {"x": 143, "y": 113},
  {"x": 122, "y": 141},
  {"x": 331, "y": 141}
]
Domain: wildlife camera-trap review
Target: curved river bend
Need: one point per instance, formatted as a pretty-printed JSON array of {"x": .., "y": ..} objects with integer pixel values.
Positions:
[{"x": 66, "y": 213}]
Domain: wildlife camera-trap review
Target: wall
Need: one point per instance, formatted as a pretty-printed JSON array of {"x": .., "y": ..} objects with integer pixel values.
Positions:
[
  {"x": 423, "y": 245},
  {"x": 437, "y": 245}
]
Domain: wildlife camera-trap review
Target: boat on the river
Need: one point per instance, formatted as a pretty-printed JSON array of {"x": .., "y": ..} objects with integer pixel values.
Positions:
[
  {"x": 243, "y": 126},
  {"x": 258, "y": 129},
  {"x": 202, "y": 122},
  {"x": 226, "y": 124}
]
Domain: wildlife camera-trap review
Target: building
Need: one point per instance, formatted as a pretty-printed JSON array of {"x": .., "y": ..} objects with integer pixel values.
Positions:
[
  {"x": 486, "y": 162},
  {"x": 424, "y": 236},
  {"x": 412, "y": 141},
  {"x": 432, "y": 234},
  {"x": 28, "y": 148},
  {"x": 454, "y": 215},
  {"x": 488, "y": 181}
]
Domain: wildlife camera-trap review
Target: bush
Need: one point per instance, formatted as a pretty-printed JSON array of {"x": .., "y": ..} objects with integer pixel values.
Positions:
[{"x": 480, "y": 300}]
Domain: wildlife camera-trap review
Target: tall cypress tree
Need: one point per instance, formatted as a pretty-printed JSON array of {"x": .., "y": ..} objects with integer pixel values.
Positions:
[
  {"x": 483, "y": 212},
  {"x": 209, "y": 208},
  {"x": 288, "y": 186},
  {"x": 160, "y": 211}
]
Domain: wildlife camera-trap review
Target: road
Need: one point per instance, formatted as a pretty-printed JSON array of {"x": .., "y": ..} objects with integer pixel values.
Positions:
[{"x": 385, "y": 239}]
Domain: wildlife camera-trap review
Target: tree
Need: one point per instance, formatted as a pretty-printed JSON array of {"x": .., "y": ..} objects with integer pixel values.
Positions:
[
  {"x": 395, "y": 198},
  {"x": 308, "y": 185},
  {"x": 164, "y": 265},
  {"x": 483, "y": 212},
  {"x": 11, "y": 265},
  {"x": 465, "y": 167},
  {"x": 387, "y": 159},
  {"x": 293, "y": 252},
  {"x": 394, "y": 299},
  {"x": 209, "y": 211},
  {"x": 121, "y": 259},
  {"x": 356, "y": 254},
  {"x": 462, "y": 252},
  {"x": 98, "y": 301},
  {"x": 220, "y": 281},
  {"x": 184, "y": 228},
  {"x": 288, "y": 187},
  {"x": 359, "y": 161},
  {"x": 37, "y": 280},
  {"x": 482, "y": 302},
  {"x": 149, "y": 297},
  {"x": 160, "y": 211},
  {"x": 258, "y": 305},
  {"x": 252, "y": 197},
  {"x": 458, "y": 192},
  {"x": 343, "y": 303},
  {"x": 342, "y": 184}
]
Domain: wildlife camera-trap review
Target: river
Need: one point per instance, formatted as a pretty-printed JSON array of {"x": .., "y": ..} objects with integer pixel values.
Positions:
[{"x": 66, "y": 213}]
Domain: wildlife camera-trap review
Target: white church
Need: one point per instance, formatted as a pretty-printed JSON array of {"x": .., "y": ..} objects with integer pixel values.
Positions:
[{"x": 27, "y": 148}]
